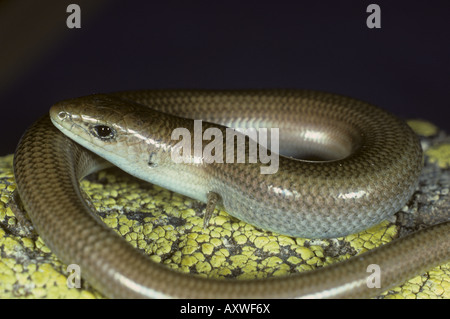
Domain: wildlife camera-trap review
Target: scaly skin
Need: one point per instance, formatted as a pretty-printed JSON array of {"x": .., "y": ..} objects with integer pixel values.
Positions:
[{"x": 376, "y": 173}]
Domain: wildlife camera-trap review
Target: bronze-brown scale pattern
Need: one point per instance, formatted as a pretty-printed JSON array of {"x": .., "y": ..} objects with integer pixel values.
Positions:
[{"x": 385, "y": 162}]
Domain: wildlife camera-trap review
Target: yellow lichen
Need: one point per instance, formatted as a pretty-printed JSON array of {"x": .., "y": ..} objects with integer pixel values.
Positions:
[
  {"x": 439, "y": 154},
  {"x": 423, "y": 128},
  {"x": 207, "y": 248},
  {"x": 261, "y": 241},
  {"x": 226, "y": 248},
  {"x": 305, "y": 253}
]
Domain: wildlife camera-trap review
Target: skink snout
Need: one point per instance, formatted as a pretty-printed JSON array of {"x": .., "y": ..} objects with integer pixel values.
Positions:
[
  {"x": 58, "y": 113},
  {"x": 59, "y": 116}
]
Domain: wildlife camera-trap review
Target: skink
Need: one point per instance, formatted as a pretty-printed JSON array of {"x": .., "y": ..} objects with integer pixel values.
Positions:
[{"x": 367, "y": 167}]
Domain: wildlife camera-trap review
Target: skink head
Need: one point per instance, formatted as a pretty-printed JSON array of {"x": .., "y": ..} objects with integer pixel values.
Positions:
[{"x": 118, "y": 130}]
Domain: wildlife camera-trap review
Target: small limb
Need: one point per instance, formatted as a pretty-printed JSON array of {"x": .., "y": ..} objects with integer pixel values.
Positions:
[
  {"x": 213, "y": 199},
  {"x": 19, "y": 211}
]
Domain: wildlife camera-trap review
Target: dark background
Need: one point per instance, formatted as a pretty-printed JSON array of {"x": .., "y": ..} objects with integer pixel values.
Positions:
[{"x": 403, "y": 67}]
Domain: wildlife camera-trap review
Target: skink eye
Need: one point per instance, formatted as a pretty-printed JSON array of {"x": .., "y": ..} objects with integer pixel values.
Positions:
[
  {"x": 62, "y": 115},
  {"x": 103, "y": 132}
]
